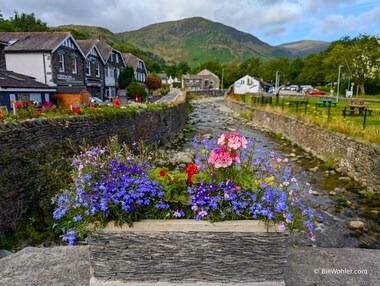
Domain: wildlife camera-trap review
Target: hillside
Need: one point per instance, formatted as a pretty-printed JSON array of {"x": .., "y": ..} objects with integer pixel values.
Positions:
[
  {"x": 196, "y": 40},
  {"x": 303, "y": 48}
]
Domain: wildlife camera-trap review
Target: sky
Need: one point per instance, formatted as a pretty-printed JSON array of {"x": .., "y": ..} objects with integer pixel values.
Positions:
[{"x": 272, "y": 21}]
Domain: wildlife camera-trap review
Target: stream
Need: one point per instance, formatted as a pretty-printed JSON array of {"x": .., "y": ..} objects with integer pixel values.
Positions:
[{"x": 338, "y": 199}]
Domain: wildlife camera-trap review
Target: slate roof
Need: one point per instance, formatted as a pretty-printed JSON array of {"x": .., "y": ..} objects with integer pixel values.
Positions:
[
  {"x": 33, "y": 41},
  {"x": 207, "y": 72},
  {"x": 86, "y": 45},
  {"x": 9, "y": 79},
  {"x": 131, "y": 60},
  {"x": 104, "y": 49},
  {"x": 71, "y": 89}
]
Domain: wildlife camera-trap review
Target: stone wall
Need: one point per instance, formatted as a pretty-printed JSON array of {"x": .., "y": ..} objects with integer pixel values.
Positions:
[
  {"x": 358, "y": 159},
  {"x": 207, "y": 92},
  {"x": 27, "y": 148}
]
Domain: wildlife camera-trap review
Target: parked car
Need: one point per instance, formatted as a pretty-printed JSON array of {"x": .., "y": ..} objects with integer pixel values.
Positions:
[
  {"x": 294, "y": 87},
  {"x": 96, "y": 101},
  {"x": 306, "y": 88},
  {"x": 316, "y": 92}
]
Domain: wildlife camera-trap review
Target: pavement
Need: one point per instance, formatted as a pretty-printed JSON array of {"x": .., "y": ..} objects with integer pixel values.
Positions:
[{"x": 306, "y": 266}]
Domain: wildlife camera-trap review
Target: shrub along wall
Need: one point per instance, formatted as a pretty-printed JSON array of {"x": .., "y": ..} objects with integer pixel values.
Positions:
[
  {"x": 358, "y": 159},
  {"x": 34, "y": 153}
]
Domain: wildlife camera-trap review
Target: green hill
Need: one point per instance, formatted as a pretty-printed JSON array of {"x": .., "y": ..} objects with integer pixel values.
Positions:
[
  {"x": 303, "y": 48},
  {"x": 196, "y": 40}
]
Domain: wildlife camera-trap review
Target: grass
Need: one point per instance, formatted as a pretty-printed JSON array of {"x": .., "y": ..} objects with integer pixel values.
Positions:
[{"x": 333, "y": 120}]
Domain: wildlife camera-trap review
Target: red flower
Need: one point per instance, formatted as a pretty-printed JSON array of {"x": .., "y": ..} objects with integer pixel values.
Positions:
[
  {"x": 162, "y": 173},
  {"x": 76, "y": 110},
  {"x": 191, "y": 170}
]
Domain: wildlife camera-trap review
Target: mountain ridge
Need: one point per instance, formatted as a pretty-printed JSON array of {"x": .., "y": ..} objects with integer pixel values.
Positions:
[{"x": 196, "y": 40}]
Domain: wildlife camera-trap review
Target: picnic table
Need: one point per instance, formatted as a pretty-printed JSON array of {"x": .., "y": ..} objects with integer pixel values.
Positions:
[
  {"x": 359, "y": 107},
  {"x": 325, "y": 102}
]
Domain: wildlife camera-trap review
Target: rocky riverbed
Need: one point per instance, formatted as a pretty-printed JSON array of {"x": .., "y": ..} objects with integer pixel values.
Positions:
[{"x": 350, "y": 213}]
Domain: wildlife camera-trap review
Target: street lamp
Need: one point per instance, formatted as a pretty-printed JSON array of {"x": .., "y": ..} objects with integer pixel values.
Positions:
[
  {"x": 221, "y": 84},
  {"x": 277, "y": 80},
  {"x": 337, "y": 90}
]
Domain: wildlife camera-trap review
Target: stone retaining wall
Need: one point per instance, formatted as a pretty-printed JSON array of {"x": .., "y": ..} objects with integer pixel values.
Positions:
[
  {"x": 27, "y": 147},
  {"x": 358, "y": 159},
  {"x": 207, "y": 92}
]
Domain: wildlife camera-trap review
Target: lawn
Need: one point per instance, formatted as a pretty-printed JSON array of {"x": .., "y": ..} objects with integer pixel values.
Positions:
[{"x": 359, "y": 126}]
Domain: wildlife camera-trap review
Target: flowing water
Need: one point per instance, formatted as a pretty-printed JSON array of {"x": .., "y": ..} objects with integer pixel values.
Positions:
[{"x": 338, "y": 199}]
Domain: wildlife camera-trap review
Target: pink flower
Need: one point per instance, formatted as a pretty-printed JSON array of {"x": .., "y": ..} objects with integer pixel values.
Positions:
[
  {"x": 281, "y": 226},
  {"x": 220, "y": 158},
  {"x": 18, "y": 104},
  {"x": 232, "y": 140}
]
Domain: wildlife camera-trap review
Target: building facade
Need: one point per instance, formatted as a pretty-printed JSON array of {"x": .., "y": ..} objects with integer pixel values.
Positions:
[
  {"x": 53, "y": 58},
  {"x": 113, "y": 64},
  {"x": 94, "y": 66},
  {"x": 138, "y": 66},
  {"x": 203, "y": 80}
]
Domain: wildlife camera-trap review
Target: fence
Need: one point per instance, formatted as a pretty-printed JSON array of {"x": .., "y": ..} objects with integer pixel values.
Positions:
[{"x": 325, "y": 109}]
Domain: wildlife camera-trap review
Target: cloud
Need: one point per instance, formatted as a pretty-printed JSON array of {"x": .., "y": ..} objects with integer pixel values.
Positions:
[
  {"x": 276, "y": 32},
  {"x": 340, "y": 25},
  {"x": 271, "y": 19}
]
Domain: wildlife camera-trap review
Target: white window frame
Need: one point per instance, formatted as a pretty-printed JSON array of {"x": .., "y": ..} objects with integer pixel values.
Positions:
[
  {"x": 61, "y": 62},
  {"x": 97, "y": 70},
  {"x": 88, "y": 68},
  {"x": 74, "y": 65}
]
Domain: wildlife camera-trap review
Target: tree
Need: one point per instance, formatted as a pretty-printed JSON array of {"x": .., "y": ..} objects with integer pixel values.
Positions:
[
  {"x": 295, "y": 69},
  {"x": 232, "y": 72},
  {"x": 252, "y": 67},
  {"x": 23, "y": 23},
  {"x": 360, "y": 58},
  {"x": 153, "y": 82},
  {"x": 312, "y": 72},
  {"x": 126, "y": 77},
  {"x": 213, "y": 66},
  {"x": 134, "y": 89},
  {"x": 182, "y": 68}
]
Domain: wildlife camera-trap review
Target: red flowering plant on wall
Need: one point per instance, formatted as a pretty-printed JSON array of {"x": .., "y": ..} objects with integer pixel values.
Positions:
[{"x": 230, "y": 179}]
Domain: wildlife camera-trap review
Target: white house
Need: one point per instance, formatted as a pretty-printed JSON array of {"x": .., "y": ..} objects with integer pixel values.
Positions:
[{"x": 247, "y": 84}]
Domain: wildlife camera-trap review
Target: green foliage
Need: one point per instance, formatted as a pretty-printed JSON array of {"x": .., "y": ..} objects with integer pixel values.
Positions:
[
  {"x": 135, "y": 89},
  {"x": 126, "y": 77},
  {"x": 174, "y": 185},
  {"x": 23, "y": 23}
]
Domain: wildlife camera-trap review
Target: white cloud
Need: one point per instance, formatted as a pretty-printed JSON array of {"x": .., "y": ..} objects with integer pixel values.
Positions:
[{"x": 273, "y": 20}]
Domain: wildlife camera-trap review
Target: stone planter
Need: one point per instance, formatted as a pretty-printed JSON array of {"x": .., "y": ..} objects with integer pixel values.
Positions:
[{"x": 188, "y": 252}]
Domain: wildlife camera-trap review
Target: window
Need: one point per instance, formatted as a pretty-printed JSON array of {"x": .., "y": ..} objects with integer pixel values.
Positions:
[
  {"x": 74, "y": 65},
  {"x": 97, "y": 70},
  {"x": 117, "y": 73},
  {"x": 88, "y": 68},
  {"x": 61, "y": 62},
  {"x": 117, "y": 58},
  {"x": 242, "y": 81}
]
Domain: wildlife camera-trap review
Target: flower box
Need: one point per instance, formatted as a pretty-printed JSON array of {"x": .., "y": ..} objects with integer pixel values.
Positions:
[{"x": 171, "y": 252}]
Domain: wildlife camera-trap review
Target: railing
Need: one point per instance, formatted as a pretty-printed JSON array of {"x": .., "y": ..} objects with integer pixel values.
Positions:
[{"x": 323, "y": 109}]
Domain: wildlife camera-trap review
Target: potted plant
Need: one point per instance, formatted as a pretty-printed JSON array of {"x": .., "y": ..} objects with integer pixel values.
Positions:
[{"x": 242, "y": 202}]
